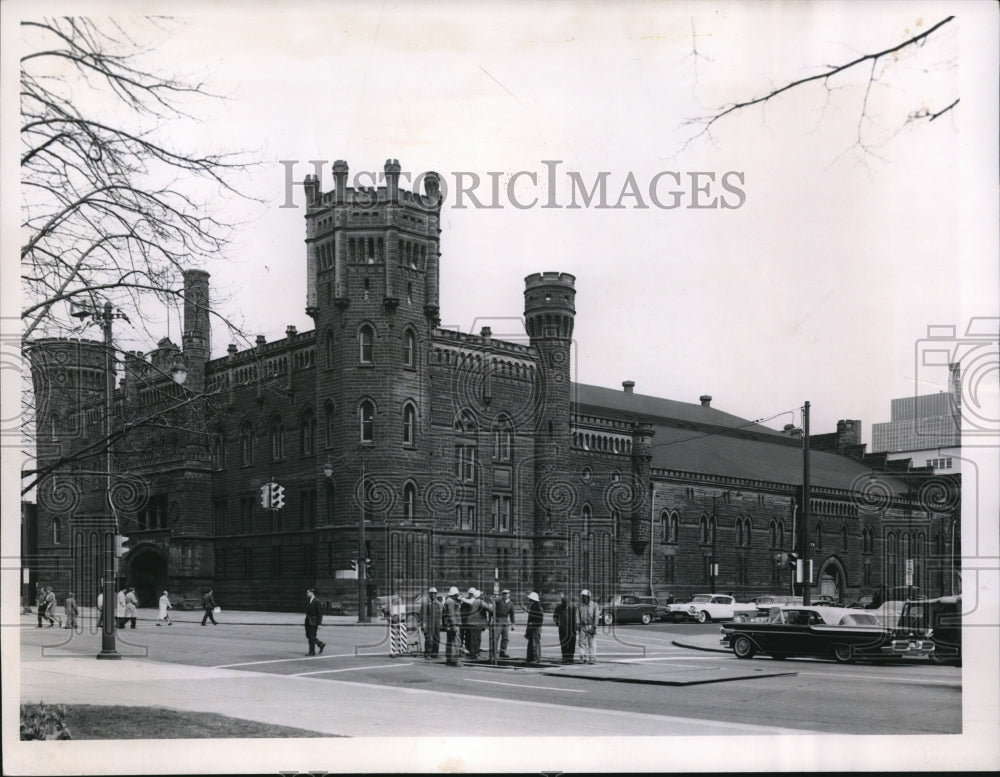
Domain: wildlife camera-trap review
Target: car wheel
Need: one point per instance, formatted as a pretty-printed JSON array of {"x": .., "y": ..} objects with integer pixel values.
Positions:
[
  {"x": 646, "y": 618},
  {"x": 743, "y": 647},
  {"x": 843, "y": 654},
  {"x": 704, "y": 617},
  {"x": 609, "y": 618}
]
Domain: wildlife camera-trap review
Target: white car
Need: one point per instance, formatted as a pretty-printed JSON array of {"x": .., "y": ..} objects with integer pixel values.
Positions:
[{"x": 711, "y": 607}]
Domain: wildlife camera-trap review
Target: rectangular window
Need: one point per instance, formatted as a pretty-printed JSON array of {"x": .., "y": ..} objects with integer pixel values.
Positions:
[
  {"x": 219, "y": 516},
  {"x": 465, "y": 463},
  {"x": 669, "y": 569},
  {"x": 246, "y": 514},
  {"x": 466, "y": 516}
]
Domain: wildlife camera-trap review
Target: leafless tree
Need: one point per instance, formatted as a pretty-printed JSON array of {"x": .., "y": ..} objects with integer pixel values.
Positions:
[
  {"x": 111, "y": 210},
  {"x": 868, "y": 63}
]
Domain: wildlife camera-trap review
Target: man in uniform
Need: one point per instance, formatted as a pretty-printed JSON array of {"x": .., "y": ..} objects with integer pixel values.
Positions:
[
  {"x": 452, "y": 620},
  {"x": 503, "y": 621},
  {"x": 430, "y": 618},
  {"x": 533, "y": 630},
  {"x": 587, "y": 627}
]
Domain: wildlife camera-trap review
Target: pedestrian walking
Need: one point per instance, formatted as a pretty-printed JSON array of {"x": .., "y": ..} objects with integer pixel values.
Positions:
[
  {"x": 314, "y": 617},
  {"x": 430, "y": 620},
  {"x": 47, "y": 607},
  {"x": 131, "y": 607},
  {"x": 208, "y": 605},
  {"x": 70, "y": 610},
  {"x": 503, "y": 621},
  {"x": 165, "y": 605},
  {"x": 120, "y": 608},
  {"x": 533, "y": 630},
  {"x": 100, "y": 609},
  {"x": 451, "y": 618},
  {"x": 587, "y": 628},
  {"x": 565, "y": 617},
  {"x": 464, "y": 610}
]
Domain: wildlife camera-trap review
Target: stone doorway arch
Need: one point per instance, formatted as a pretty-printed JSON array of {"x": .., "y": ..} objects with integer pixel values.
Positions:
[
  {"x": 832, "y": 579},
  {"x": 147, "y": 573}
]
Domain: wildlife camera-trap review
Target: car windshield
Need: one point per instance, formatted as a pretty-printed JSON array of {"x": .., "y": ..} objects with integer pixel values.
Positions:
[{"x": 702, "y": 599}]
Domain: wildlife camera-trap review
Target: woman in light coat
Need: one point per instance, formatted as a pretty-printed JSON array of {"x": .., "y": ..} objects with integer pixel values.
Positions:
[{"x": 131, "y": 607}]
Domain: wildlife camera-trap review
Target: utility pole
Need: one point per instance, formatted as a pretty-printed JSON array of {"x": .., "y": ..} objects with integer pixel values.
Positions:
[{"x": 806, "y": 561}]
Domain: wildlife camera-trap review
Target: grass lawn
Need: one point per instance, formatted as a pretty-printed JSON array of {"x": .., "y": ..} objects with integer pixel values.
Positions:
[{"x": 90, "y": 721}]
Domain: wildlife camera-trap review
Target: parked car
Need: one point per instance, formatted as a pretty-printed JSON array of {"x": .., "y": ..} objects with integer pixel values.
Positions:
[
  {"x": 840, "y": 633},
  {"x": 941, "y": 618},
  {"x": 824, "y": 600},
  {"x": 766, "y": 602},
  {"x": 632, "y": 608},
  {"x": 710, "y": 607},
  {"x": 865, "y": 602}
]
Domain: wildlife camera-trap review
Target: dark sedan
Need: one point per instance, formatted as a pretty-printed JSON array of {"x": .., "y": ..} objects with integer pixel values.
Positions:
[{"x": 825, "y": 632}]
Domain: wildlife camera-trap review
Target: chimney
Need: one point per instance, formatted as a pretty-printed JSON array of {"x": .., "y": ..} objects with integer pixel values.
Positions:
[
  {"x": 706, "y": 400},
  {"x": 628, "y": 385}
]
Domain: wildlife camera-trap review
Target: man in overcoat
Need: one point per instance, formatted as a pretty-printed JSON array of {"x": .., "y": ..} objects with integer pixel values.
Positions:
[
  {"x": 565, "y": 617},
  {"x": 533, "y": 630},
  {"x": 503, "y": 621},
  {"x": 314, "y": 617}
]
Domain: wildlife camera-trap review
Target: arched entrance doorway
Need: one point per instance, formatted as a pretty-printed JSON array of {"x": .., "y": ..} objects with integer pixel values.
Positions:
[
  {"x": 147, "y": 573},
  {"x": 832, "y": 579}
]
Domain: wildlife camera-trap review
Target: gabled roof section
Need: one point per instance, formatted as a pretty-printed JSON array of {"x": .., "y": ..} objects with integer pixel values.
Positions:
[{"x": 695, "y": 438}]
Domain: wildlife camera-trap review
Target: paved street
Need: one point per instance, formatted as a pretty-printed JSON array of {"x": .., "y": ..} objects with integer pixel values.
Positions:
[{"x": 651, "y": 680}]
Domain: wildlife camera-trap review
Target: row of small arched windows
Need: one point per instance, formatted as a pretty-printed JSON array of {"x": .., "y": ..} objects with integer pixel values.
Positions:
[{"x": 366, "y": 346}]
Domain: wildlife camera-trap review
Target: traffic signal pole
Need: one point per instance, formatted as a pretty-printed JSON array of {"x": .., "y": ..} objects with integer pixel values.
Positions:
[{"x": 109, "y": 649}]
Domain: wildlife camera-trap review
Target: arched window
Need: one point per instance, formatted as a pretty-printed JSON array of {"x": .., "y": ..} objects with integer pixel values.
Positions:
[
  {"x": 366, "y": 416},
  {"x": 664, "y": 526},
  {"x": 843, "y": 537},
  {"x": 366, "y": 345},
  {"x": 328, "y": 341},
  {"x": 409, "y": 348},
  {"x": 772, "y": 534},
  {"x": 409, "y": 424},
  {"x": 409, "y": 501},
  {"x": 586, "y": 515},
  {"x": 219, "y": 451},
  {"x": 328, "y": 422},
  {"x": 748, "y": 528},
  {"x": 818, "y": 536},
  {"x": 276, "y": 434},
  {"x": 465, "y": 422},
  {"x": 703, "y": 527},
  {"x": 57, "y": 531},
  {"x": 781, "y": 534},
  {"x": 246, "y": 443},
  {"x": 740, "y": 535},
  {"x": 307, "y": 432},
  {"x": 674, "y": 532}
]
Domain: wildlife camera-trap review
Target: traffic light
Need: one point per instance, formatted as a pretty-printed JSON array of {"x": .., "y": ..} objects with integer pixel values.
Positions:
[
  {"x": 354, "y": 564},
  {"x": 277, "y": 496},
  {"x": 368, "y": 566},
  {"x": 792, "y": 560},
  {"x": 121, "y": 545},
  {"x": 265, "y": 495}
]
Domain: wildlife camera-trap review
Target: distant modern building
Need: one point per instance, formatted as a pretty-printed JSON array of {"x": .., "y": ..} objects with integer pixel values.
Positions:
[
  {"x": 429, "y": 456},
  {"x": 925, "y": 429}
]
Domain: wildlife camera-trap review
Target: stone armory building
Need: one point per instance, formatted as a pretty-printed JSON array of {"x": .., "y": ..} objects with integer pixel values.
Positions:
[{"x": 470, "y": 458}]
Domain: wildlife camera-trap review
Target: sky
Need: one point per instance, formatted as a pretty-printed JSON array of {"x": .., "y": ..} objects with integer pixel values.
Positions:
[
  {"x": 854, "y": 228},
  {"x": 837, "y": 247}
]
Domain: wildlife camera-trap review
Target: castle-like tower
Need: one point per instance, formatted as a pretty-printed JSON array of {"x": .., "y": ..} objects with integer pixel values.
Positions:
[
  {"x": 372, "y": 263},
  {"x": 549, "y": 312}
]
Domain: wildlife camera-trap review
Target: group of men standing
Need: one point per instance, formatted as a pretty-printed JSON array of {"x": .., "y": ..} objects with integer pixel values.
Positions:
[{"x": 465, "y": 618}]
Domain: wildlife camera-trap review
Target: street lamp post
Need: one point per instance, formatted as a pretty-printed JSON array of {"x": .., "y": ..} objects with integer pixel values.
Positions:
[{"x": 104, "y": 318}]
